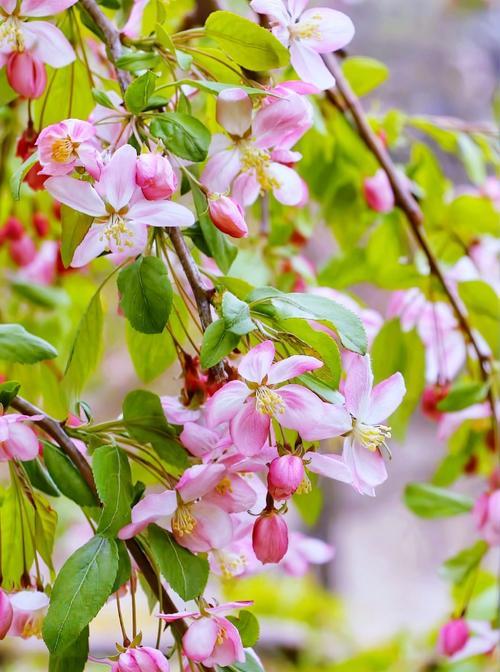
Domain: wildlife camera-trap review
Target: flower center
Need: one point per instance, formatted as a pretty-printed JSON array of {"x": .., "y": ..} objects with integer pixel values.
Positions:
[
  {"x": 115, "y": 228},
  {"x": 371, "y": 436},
  {"x": 11, "y": 35},
  {"x": 306, "y": 29},
  {"x": 259, "y": 160},
  {"x": 64, "y": 149},
  {"x": 221, "y": 636},
  {"x": 224, "y": 486},
  {"x": 230, "y": 564},
  {"x": 268, "y": 402},
  {"x": 183, "y": 521}
]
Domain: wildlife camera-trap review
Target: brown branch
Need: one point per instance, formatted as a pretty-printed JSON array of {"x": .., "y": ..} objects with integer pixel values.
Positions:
[{"x": 406, "y": 201}]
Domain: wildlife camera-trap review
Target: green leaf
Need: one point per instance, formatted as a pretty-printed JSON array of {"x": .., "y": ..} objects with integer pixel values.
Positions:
[
  {"x": 18, "y": 345},
  {"x": 139, "y": 92},
  {"x": 74, "y": 658},
  {"x": 86, "y": 349},
  {"x": 66, "y": 476},
  {"x": 217, "y": 343},
  {"x": 246, "y": 42},
  {"x": 248, "y": 627},
  {"x": 146, "y": 294},
  {"x": 145, "y": 421},
  {"x": 16, "y": 521},
  {"x": 17, "y": 178},
  {"x": 186, "y": 572},
  {"x": 8, "y": 392},
  {"x": 364, "y": 74},
  {"x": 41, "y": 295},
  {"x": 113, "y": 480},
  {"x": 45, "y": 522},
  {"x": 135, "y": 60},
  {"x": 458, "y": 568},
  {"x": 429, "y": 501},
  {"x": 82, "y": 587},
  {"x": 310, "y": 504},
  {"x": 182, "y": 134},
  {"x": 7, "y": 93},
  {"x": 102, "y": 98},
  {"x": 40, "y": 478},
  {"x": 483, "y": 306},
  {"x": 462, "y": 395},
  {"x": 74, "y": 228},
  {"x": 236, "y": 315},
  {"x": 151, "y": 354},
  {"x": 124, "y": 566},
  {"x": 472, "y": 158},
  {"x": 251, "y": 664}
]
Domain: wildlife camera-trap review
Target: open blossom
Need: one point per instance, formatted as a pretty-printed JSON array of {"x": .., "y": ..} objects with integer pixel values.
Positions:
[
  {"x": 250, "y": 406},
  {"x": 26, "y": 45},
  {"x": 17, "y": 440},
  {"x": 304, "y": 551},
  {"x": 29, "y": 609},
  {"x": 253, "y": 157},
  {"x": 141, "y": 659},
  {"x": 121, "y": 213},
  {"x": 307, "y": 34},
  {"x": 487, "y": 516},
  {"x": 211, "y": 638},
  {"x": 66, "y": 145}
]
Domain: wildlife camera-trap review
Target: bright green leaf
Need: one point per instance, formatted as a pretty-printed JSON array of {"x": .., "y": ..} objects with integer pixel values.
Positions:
[
  {"x": 74, "y": 228},
  {"x": 18, "y": 345},
  {"x": 236, "y": 315},
  {"x": 248, "y": 627},
  {"x": 429, "y": 501},
  {"x": 139, "y": 92},
  {"x": 364, "y": 74},
  {"x": 460, "y": 566},
  {"x": 151, "y": 354},
  {"x": 114, "y": 486},
  {"x": 217, "y": 343},
  {"x": 182, "y": 134}
]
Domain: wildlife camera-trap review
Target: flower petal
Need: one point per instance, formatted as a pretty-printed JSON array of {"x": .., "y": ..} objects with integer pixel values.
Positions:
[
  {"x": 198, "y": 480},
  {"x": 311, "y": 417},
  {"x": 149, "y": 510},
  {"x": 221, "y": 169},
  {"x": 367, "y": 467},
  {"x": 22, "y": 443},
  {"x": 358, "y": 386},
  {"x": 332, "y": 30},
  {"x": 246, "y": 188},
  {"x": 226, "y": 402},
  {"x": 385, "y": 399},
  {"x": 117, "y": 183},
  {"x": 36, "y": 8},
  {"x": 330, "y": 466},
  {"x": 310, "y": 67},
  {"x": 291, "y": 367},
  {"x": 48, "y": 44},
  {"x": 250, "y": 429},
  {"x": 91, "y": 247},
  {"x": 289, "y": 189},
  {"x": 160, "y": 213},
  {"x": 76, "y": 194},
  {"x": 199, "y": 639},
  {"x": 255, "y": 365}
]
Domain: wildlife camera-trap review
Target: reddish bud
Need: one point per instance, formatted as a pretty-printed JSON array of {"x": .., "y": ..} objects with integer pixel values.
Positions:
[
  {"x": 34, "y": 179},
  {"x": 378, "y": 192},
  {"x": 430, "y": 399},
  {"x": 453, "y": 637},
  {"x": 156, "y": 177},
  {"x": 228, "y": 216},
  {"x": 270, "y": 537},
  {"x": 41, "y": 224},
  {"x": 13, "y": 229},
  {"x": 22, "y": 251},
  {"x": 26, "y": 74},
  {"x": 285, "y": 475}
]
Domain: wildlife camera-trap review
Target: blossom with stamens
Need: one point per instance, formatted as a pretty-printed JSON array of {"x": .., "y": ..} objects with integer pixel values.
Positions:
[
  {"x": 121, "y": 212},
  {"x": 29, "y": 609},
  {"x": 67, "y": 144}
]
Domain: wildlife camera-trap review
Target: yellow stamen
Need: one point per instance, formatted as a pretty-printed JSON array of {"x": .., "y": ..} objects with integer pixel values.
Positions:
[
  {"x": 224, "y": 486},
  {"x": 183, "y": 522},
  {"x": 11, "y": 35},
  {"x": 268, "y": 402},
  {"x": 221, "y": 636},
  {"x": 306, "y": 29},
  {"x": 259, "y": 160},
  {"x": 371, "y": 436},
  {"x": 305, "y": 487},
  {"x": 63, "y": 150}
]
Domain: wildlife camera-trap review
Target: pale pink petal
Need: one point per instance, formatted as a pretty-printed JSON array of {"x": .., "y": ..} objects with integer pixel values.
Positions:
[
  {"x": 282, "y": 122},
  {"x": 117, "y": 183},
  {"x": 310, "y": 67},
  {"x": 246, "y": 188},
  {"x": 385, "y": 399},
  {"x": 199, "y": 440},
  {"x": 170, "y": 618},
  {"x": 36, "y": 8},
  {"x": 255, "y": 365},
  {"x": 160, "y": 213},
  {"x": 213, "y": 529},
  {"x": 291, "y": 367},
  {"x": 220, "y": 171},
  {"x": 130, "y": 243},
  {"x": 8, "y": 5},
  {"x": 76, "y": 194},
  {"x": 230, "y": 649},
  {"x": 358, "y": 386},
  {"x": 199, "y": 639},
  {"x": 367, "y": 467},
  {"x": 22, "y": 443},
  {"x": 234, "y": 111},
  {"x": 176, "y": 412},
  {"x": 150, "y": 509},
  {"x": 227, "y": 607},
  {"x": 250, "y": 429},
  {"x": 311, "y": 417},
  {"x": 198, "y": 480},
  {"x": 226, "y": 402},
  {"x": 330, "y": 466},
  {"x": 234, "y": 494},
  {"x": 48, "y": 44},
  {"x": 91, "y": 247},
  {"x": 331, "y": 30},
  {"x": 273, "y": 8},
  {"x": 289, "y": 189}
]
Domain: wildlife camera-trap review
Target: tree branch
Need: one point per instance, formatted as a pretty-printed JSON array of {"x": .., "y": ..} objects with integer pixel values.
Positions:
[{"x": 405, "y": 200}]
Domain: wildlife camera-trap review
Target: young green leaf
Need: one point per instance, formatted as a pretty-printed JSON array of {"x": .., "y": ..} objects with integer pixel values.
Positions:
[
  {"x": 462, "y": 395},
  {"x": 8, "y": 392},
  {"x": 186, "y": 573},
  {"x": 74, "y": 228},
  {"x": 364, "y": 74},
  {"x": 18, "y": 345},
  {"x": 124, "y": 566},
  {"x": 82, "y": 587},
  {"x": 182, "y": 134},
  {"x": 458, "y": 568},
  {"x": 248, "y": 627},
  {"x": 146, "y": 294},
  {"x": 135, "y": 61},
  {"x": 139, "y": 92},
  {"x": 429, "y": 501},
  {"x": 66, "y": 476},
  {"x": 40, "y": 477},
  {"x": 151, "y": 354},
  {"x": 236, "y": 315},
  {"x": 17, "y": 178},
  {"x": 217, "y": 343},
  {"x": 114, "y": 486}
]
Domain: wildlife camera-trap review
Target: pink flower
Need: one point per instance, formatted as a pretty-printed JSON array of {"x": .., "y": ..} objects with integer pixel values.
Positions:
[
  {"x": 249, "y": 408},
  {"x": 26, "y": 74},
  {"x": 285, "y": 475},
  {"x": 26, "y": 45},
  {"x": 247, "y": 158},
  {"x": 211, "y": 639},
  {"x": 155, "y": 176},
  {"x": 17, "y": 440},
  {"x": 270, "y": 537},
  {"x": 487, "y": 516},
  {"x": 304, "y": 551},
  {"x": 460, "y": 639},
  {"x": 66, "y": 145},
  {"x": 122, "y": 214},
  {"x": 141, "y": 659},
  {"x": 307, "y": 34},
  {"x": 42, "y": 269},
  {"x": 453, "y": 636},
  {"x": 378, "y": 192},
  {"x": 176, "y": 412},
  {"x": 22, "y": 251},
  {"x": 29, "y": 609},
  {"x": 227, "y": 215},
  {"x": 6, "y": 614}
]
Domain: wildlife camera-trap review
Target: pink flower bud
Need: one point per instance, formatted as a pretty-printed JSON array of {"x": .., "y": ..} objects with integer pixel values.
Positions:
[
  {"x": 285, "y": 475},
  {"x": 228, "y": 216},
  {"x": 22, "y": 251},
  {"x": 156, "y": 177},
  {"x": 234, "y": 111},
  {"x": 486, "y": 515},
  {"x": 430, "y": 399},
  {"x": 13, "y": 229},
  {"x": 26, "y": 74},
  {"x": 378, "y": 192},
  {"x": 6, "y": 614},
  {"x": 41, "y": 224},
  {"x": 141, "y": 659},
  {"x": 453, "y": 637},
  {"x": 270, "y": 537}
]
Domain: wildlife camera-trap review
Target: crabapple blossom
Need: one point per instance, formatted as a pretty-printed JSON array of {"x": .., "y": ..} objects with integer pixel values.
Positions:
[
  {"x": 304, "y": 551},
  {"x": 378, "y": 192},
  {"x": 17, "y": 440},
  {"x": 227, "y": 215},
  {"x": 6, "y": 614},
  {"x": 486, "y": 514},
  {"x": 211, "y": 638},
  {"x": 141, "y": 659},
  {"x": 155, "y": 176},
  {"x": 26, "y": 74},
  {"x": 460, "y": 639},
  {"x": 453, "y": 636},
  {"x": 270, "y": 537},
  {"x": 66, "y": 145},
  {"x": 29, "y": 609},
  {"x": 308, "y": 33},
  {"x": 286, "y": 473}
]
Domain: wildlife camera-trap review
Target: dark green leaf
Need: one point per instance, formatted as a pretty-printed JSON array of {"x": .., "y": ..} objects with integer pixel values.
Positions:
[
  {"x": 74, "y": 228},
  {"x": 66, "y": 476},
  {"x": 217, "y": 343},
  {"x": 82, "y": 587},
  {"x": 40, "y": 478},
  {"x": 139, "y": 92},
  {"x": 114, "y": 487},
  {"x": 146, "y": 294},
  {"x": 8, "y": 391},
  {"x": 74, "y": 658},
  {"x": 429, "y": 501},
  {"x": 124, "y": 566},
  {"x": 236, "y": 315},
  {"x": 18, "y": 345},
  {"x": 459, "y": 567},
  {"x": 186, "y": 573},
  {"x": 248, "y": 627},
  {"x": 182, "y": 134}
]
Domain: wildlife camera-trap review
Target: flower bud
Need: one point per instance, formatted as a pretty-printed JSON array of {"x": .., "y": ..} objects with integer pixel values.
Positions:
[
  {"x": 155, "y": 176},
  {"x": 234, "y": 111},
  {"x": 270, "y": 537},
  {"x": 453, "y": 637},
  {"x": 13, "y": 229},
  {"x": 22, "y": 251},
  {"x": 228, "y": 216},
  {"x": 41, "y": 224},
  {"x": 430, "y": 399},
  {"x": 26, "y": 74},
  {"x": 5, "y": 614},
  {"x": 141, "y": 659},
  {"x": 285, "y": 475},
  {"x": 378, "y": 192}
]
